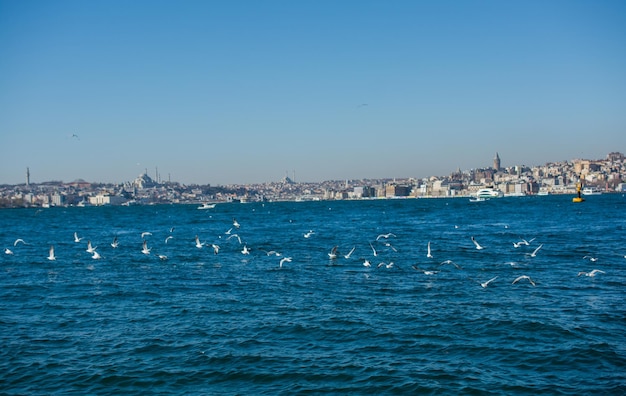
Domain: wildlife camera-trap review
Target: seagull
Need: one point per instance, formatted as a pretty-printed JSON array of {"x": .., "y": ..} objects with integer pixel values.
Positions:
[
  {"x": 245, "y": 250},
  {"x": 234, "y": 236},
  {"x": 168, "y": 238},
  {"x": 18, "y": 240},
  {"x": 367, "y": 263},
  {"x": 162, "y": 257},
  {"x": 428, "y": 254},
  {"x": 283, "y": 260},
  {"x": 8, "y": 251},
  {"x": 594, "y": 259},
  {"x": 373, "y": 250},
  {"x": 350, "y": 253},
  {"x": 308, "y": 234},
  {"x": 115, "y": 243},
  {"x": 385, "y": 236},
  {"x": 144, "y": 234},
  {"x": 90, "y": 249},
  {"x": 522, "y": 242},
  {"x": 51, "y": 256},
  {"x": 76, "y": 238},
  {"x": 534, "y": 253},
  {"x": 96, "y": 255},
  {"x": 592, "y": 273},
  {"x": 236, "y": 224},
  {"x": 388, "y": 266},
  {"x": 476, "y": 243},
  {"x": 145, "y": 249},
  {"x": 391, "y": 246},
  {"x": 229, "y": 231},
  {"x": 485, "y": 284},
  {"x": 426, "y": 272},
  {"x": 450, "y": 262},
  {"x": 216, "y": 248},
  {"x": 333, "y": 253},
  {"x": 198, "y": 243},
  {"x": 523, "y": 277}
]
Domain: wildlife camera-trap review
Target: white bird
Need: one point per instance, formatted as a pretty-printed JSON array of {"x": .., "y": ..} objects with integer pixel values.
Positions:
[
  {"x": 476, "y": 243},
  {"x": 115, "y": 243},
  {"x": 373, "y": 250},
  {"x": 51, "y": 256},
  {"x": 8, "y": 251},
  {"x": 168, "y": 238},
  {"x": 388, "y": 266},
  {"x": 162, "y": 257},
  {"x": 96, "y": 255},
  {"x": 349, "y": 253},
  {"x": 76, "y": 238},
  {"x": 522, "y": 242},
  {"x": 144, "y": 234},
  {"x": 234, "y": 236},
  {"x": 485, "y": 284},
  {"x": 216, "y": 248},
  {"x": 284, "y": 260},
  {"x": 385, "y": 236},
  {"x": 425, "y": 272},
  {"x": 450, "y": 262},
  {"x": 198, "y": 243},
  {"x": 90, "y": 249},
  {"x": 428, "y": 254},
  {"x": 145, "y": 249},
  {"x": 592, "y": 273},
  {"x": 18, "y": 241},
  {"x": 534, "y": 253},
  {"x": 519, "y": 278},
  {"x": 594, "y": 259},
  {"x": 308, "y": 234},
  {"x": 236, "y": 224},
  {"x": 245, "y": 250},
  {"x": 333, "y": 253},
  {"x": 367, "y": 263}
]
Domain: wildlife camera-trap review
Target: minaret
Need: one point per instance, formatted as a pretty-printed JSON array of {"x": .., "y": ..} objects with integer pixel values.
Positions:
[
  {"x": 27, "y": 177},
  {"x": 496, "y": 162}
]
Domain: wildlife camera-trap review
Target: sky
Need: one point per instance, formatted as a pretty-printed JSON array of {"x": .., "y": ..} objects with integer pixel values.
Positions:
[{"x": 241, "y": 92}]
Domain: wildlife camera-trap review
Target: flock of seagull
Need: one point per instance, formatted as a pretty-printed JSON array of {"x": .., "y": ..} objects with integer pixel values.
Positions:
[{"x": 382, "y": 241}]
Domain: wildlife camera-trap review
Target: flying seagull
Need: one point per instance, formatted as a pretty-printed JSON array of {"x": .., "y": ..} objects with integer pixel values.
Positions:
[{"x": 519, "y": 278}]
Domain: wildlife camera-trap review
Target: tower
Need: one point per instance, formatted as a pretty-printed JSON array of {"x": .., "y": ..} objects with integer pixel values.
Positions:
[
  {"x": 27, "y": 177},
  {"x": 496, "y": 162}
]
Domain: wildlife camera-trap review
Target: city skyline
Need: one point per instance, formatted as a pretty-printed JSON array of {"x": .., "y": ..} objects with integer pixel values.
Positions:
[{"x": 221, "y": 93}]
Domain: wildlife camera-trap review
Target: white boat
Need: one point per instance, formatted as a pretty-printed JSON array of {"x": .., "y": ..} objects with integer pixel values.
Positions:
[
  {"x": 206, "y": 205},
  {"x": 477, "y": 199},
  {"x": 591, "y": 191},
  {"x": 488, "y": 193}
]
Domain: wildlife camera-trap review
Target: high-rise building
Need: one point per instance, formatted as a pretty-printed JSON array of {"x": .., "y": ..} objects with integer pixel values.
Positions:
[{"x": 496, "y": 162}]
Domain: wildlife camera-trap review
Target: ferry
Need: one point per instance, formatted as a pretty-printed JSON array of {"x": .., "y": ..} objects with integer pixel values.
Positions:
[
  {"x": 591, "y": 191},
  {"x": 488, "y": 193}
]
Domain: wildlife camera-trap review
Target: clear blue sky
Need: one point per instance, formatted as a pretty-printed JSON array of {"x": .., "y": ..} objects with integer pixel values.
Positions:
[{"x": 241, "y": 91}]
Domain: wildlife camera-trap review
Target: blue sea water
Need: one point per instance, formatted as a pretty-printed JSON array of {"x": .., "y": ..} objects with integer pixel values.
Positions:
[{"x": 233, "y": 323}]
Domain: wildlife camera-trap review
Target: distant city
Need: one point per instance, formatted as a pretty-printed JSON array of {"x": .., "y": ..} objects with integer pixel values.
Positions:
[{"x": 604, "y": 175}]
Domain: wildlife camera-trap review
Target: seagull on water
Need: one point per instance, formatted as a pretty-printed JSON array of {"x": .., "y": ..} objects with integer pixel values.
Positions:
[
  {"x": 90, "y": 249},
  {"x": 245, "y": 250},
  {"x": 592, "y": 273},
  {"x": 349, "y": 253},
  {"x": 308, "y": 234},
  {"x": 284, "y": 260},
  {"x": 51, "y": 255},
  {"x": 386, "y": 236},
  {"x": 477, "y": 245},
  {"x": 534, "y": 253},
  {"x": 519, "y": 278},
  {"x": 8, "y": 251},
  {"x": 145, "y": 249},
  {"x": 115, "y": 243},
  {"x": 428, "y": 254},
  {"x": 76, "y": 238},
  {"x": 162, "y": 257},
  {"x": 367, "y": 263},
  {"x": 485, "y": 284}
]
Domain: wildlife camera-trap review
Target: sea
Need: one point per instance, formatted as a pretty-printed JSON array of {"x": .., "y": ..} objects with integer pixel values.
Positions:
[{"x": 273, "y": 313}]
